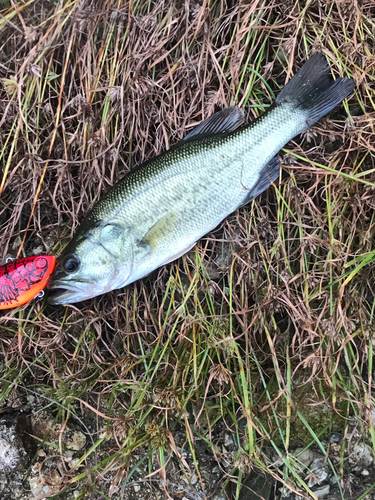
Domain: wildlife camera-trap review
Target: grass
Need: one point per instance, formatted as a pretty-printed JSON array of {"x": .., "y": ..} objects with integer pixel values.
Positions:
[{"x": 265, "y": 329}]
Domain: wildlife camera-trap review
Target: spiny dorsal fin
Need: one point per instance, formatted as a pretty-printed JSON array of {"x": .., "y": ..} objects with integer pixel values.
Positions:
[{"x": 224, "y": 121}]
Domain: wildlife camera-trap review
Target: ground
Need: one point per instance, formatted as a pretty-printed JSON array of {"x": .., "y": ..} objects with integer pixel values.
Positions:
[{"x": 245, "y": 368}]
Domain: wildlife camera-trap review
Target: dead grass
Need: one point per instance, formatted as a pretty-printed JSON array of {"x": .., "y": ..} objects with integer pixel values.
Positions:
[{"x": 270, "y": 314}]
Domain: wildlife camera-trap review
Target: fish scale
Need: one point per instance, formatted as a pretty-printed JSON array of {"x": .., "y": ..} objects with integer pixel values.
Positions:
[
  {"x": 160, "y": 209},
  {"x": 198, "y": 168}
]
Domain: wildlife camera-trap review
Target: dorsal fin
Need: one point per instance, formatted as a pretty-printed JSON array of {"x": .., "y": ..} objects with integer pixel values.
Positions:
[{"x": 224, "y": 121}]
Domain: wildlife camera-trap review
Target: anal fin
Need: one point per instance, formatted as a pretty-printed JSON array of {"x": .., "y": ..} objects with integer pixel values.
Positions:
[{"x": 269, "y": 173}]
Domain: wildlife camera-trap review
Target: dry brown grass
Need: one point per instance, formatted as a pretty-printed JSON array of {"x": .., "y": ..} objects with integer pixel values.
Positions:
[{"x": 273, "y": 312}]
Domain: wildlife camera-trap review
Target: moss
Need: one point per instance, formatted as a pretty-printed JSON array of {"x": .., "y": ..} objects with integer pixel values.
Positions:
[{"x": 307, "y": 406}]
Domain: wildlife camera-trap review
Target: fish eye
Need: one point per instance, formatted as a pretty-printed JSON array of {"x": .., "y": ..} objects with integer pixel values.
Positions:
[{"x": 70, "y": 263}]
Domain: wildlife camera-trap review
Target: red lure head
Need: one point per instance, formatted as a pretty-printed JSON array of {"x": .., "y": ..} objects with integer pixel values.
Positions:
[{"x": 22, "y": 279}]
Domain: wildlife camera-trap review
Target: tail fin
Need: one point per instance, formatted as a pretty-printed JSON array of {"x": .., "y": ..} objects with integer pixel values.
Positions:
[{"x": 313, "y": 90}]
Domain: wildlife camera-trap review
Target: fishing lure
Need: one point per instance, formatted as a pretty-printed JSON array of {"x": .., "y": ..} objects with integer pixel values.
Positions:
[{"x": 23, "y": 279}]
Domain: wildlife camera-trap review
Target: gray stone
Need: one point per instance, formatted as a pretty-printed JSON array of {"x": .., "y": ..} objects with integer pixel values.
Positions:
[
  {"x": 361, "y": 456},
  {"x": 319, "y": 472},
  {"x": 229, "y": 442},
  {"x": 16, "y": 445},
  {"x": 194, "y": 479},
  {"x": 10, "y": 455},
  {"x": 11, "y": 487},
  {"x": 333, "y": 480},
  {"x": 286, "y": 494},
  {"x": 322, "y": 492},
  {"x": 305, "y": 457},
  {"x": 335, "y": 437},
  {"x": 47, "y": 483},
  {"x": 216, "y": 470}
]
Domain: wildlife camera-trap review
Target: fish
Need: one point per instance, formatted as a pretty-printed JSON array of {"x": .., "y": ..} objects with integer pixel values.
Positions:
[
  {"x": 160, "y": 209},
  {"x": 23, "y": 279}
]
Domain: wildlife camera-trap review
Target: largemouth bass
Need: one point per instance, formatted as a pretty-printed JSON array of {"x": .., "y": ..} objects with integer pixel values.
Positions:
[{"x": 159, "y": 210}]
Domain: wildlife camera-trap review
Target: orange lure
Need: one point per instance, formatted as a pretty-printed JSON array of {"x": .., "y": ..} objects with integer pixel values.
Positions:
[{"x": 22, "y": 279}]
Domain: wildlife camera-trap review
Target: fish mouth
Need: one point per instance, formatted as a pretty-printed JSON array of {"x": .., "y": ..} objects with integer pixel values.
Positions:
[{"x": 62, "y": 292}]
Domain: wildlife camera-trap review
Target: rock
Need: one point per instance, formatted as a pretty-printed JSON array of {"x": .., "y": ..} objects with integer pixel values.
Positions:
[
  {"x": 333, "y": 480},
  {"x": 68, "y": 456},
  {"x": 286, "y": 494},
  {"x": 16, "y": 445},
  {"x": 322, "y": 492},
  {"x": 11, "y": 487},
  {"x": 319, "y": 472},
  {"x": 361, "y": 456},
  {"x": 335, "y": 450},
  {"x": 74, "y": 462},
  {"x": 229, "y": 442},
  {"x": 216, "y": 470},
  {"x": 75, "y": 441},
  {"x": 304, "y": 456},
  {"x": 194, "y": 479},
  {"x": 46, "y": 483},
  {"x": 352, "y": 433},
  {"x": 335, "y": 437},
  {"x": 44, "y": 426},
  {"x": 11, "y": 454}
]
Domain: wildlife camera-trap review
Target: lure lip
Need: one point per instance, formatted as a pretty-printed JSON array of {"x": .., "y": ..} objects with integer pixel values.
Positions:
[{"x": 23, "y": 279}]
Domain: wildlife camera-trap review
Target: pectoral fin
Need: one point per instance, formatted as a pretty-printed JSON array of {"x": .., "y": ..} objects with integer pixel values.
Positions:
[{"x": 159, "y": 232}]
